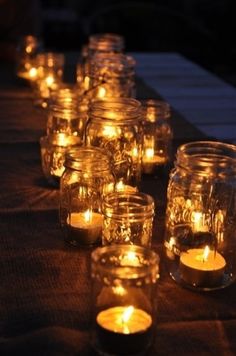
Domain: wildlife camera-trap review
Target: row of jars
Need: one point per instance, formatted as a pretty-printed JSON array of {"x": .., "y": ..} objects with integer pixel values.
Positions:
[
  {"x": 104, "y": 71},
  {"x": 138, "y": 137}
]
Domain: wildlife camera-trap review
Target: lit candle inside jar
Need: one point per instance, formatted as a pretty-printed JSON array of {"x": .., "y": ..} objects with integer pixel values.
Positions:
[
  {"x": 84, "y": 228},
  {"x": 202, "y": 267},
  {"x": 124, "y": 329},
  {"x": 150, "y": 160}
]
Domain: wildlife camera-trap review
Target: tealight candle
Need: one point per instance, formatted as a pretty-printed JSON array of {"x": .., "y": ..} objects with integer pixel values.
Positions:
[
  {"x": 150, "y": 160},
  {"x": 202, "y": 267},
  {"x": 84, "y": 228},
  {"x": 124, "y": 329}
]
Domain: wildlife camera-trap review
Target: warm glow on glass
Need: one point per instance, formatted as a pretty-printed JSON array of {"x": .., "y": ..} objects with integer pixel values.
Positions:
[
  {"x": 119, "y": 290},
  {"x": 198, "y": 222},
  {"x": 101, "y": 92},
  {"x": 49, "y": 80},
  {"x": 109, "y": 131}
]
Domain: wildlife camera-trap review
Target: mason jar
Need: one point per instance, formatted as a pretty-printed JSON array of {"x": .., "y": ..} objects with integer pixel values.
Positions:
[
  {"x": 67, "y": 115},
  {"x": 49, "y": 68},
  {"x": 128, "y": 219},
  {"x": 115, "y": 125},
  {"x": 201, "y": 216},
  {"x": 88, "y": 177},
  {"x": 53, "y": 149},
  {"x": 98, "y": 43},
  {"x": 157, "y": 135},
  {"x": 124, "y": 299},
  {"x": 111, "y": 75}
]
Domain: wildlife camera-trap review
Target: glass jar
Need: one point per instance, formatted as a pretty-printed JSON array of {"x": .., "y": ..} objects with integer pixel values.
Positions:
[
  {"x": 115, "y": 125},
  {"x": 49, "y": 68},
  {"x": 123, "y": 299},
  {"x": 67, "y": 115},
  {"x": 128, "y": 219},
  {"x": 157, "y": 135},
  {"x": 111, "y": 75},
  {"x": 201, "y": 216},
  {"x": 27, "y": 49},
  {"x": 98, "y": 43},
  {"x": 53, "y": 150},
  {"x": 88, "y": 177}
]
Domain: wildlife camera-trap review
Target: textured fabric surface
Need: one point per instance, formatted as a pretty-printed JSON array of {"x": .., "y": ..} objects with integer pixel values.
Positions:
[{"x": 45, "y": 286}]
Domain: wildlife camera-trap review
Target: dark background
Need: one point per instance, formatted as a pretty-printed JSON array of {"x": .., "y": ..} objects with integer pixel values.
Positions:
[{"x": 202, "y": 30}]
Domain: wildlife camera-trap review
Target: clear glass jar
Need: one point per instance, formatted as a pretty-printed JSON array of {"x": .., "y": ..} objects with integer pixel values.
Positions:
[
  {"x": 27, "y": 49},
  {"x": 201, "y": 216},
  {"x": 115, "y": 125},
  {"x": 128, "y": 219},
  {"x": 157, "y": 135},
  {"x": 53, "y": 150},
  {"x": 67, "y": 116},
  {"x": 123, "y": 299},
  {"x": 98, "y": 43},
  {"x": 88, "y": 177},
  {"x": 49, "y": 68},
  {"x": 111, "y": 75}
]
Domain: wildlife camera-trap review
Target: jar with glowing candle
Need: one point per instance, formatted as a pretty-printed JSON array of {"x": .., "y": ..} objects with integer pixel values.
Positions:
[
  {"x": 157, "y": 135},
  {"x": 115, "y": 125},
  {"x": 128, "y": 219},
  {"x": 53, "y": 150},
  {"x": 67, "y": 115},
  {"x": 97, "y": 43},
  {"x": 27, "y": 49},
  {"x": 200, "y": 236},
  {"x": 111, "y": 75},
  {"x": 123, "y": 299},
  {"x": 88, "y": 177},
  {"x": 50, "y": 68}
]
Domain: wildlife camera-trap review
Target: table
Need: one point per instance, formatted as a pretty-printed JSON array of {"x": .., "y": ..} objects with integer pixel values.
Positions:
[{"x": 45, "y": 285}]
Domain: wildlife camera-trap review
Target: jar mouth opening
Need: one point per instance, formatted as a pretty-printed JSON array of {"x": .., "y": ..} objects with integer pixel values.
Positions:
[
  {"x": 85, "y": 158},
  {"x": 154, "y": 109},
  {"x": 208, "y": 156},
  {"x": 117, "y": 64},
  {"x": 132, "y": 206},
  {"x": 106, "y": 42},
  {"x": 116, "y": 109}
]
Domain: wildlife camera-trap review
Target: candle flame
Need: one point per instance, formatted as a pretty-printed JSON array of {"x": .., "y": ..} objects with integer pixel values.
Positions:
[
  {"x": 120, "y": 186},
  {"x": 88, "y": 215},
  {"x": 205, "y": 253},
  {"x": 32, "y": 72},
  {"x": 127, "y": 314},
  {"x": 101, "y": 92},
  {"x": 149, "y": 152},
  {"x": 135, "y": 152},
  {"x": 131, "y": 256},
  {"x": 28, "y": 49},
  {"x": 49, "y": 81}
]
